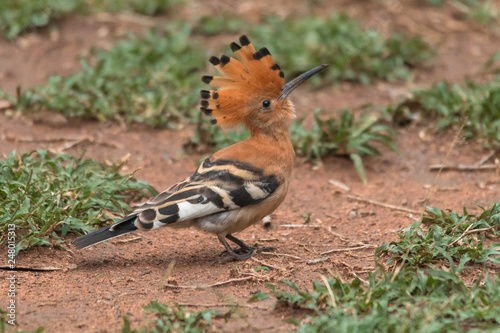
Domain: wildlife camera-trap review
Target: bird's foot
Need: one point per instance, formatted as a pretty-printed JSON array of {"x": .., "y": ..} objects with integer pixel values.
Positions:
[
  {"x": 252, "y": 249},
  {"x": 243, "y": 252},
  {"x": 234, "y": 255}
]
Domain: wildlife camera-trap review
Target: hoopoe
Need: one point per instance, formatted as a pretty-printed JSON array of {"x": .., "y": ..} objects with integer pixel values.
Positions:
[{"x": 238, "y": 185}]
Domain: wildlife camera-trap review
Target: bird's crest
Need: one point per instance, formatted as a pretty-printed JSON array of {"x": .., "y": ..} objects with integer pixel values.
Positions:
[{"x": 248, "y": 79}]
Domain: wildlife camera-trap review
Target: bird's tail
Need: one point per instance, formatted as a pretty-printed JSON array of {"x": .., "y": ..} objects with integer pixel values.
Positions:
[{"x": 121, "y": 228}]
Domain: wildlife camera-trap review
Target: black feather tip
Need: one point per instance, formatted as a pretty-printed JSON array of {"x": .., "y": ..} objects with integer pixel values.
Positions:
[
  {"x": 244, "y": 41},
  {"x": 206, "y": 111},
  {"x": 224, "y": 60},
  {"x": 261, "y": 53},
  {"x": 214, "y": 60},
  {"x": 207, "y": 79},
  {"x": 205, "y": 94},
  {"x": 234, "y": 47}
]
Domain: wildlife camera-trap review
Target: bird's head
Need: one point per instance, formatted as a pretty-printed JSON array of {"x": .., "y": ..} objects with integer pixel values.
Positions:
[{"x": 252, "y": 89}]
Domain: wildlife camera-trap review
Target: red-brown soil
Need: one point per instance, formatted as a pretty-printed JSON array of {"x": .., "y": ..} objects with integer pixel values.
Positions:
[{"x": 96, "y": 287}]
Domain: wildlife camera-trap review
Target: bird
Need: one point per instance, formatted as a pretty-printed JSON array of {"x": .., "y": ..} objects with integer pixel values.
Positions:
[{"x": 239, "y": 185}]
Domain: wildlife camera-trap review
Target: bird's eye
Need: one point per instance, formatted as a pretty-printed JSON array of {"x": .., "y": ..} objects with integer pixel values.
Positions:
[{"x": 266, "y": 103}]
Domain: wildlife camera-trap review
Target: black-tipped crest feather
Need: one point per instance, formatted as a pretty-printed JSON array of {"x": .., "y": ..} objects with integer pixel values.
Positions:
[
  {"x": 224, "y": 60},
  {"x": 214, "y": 60},
  {"x": 261, "y": 53},
  {"x": 205, "y": 94},
  {"x": 207, "y": 79},
  {"x": 234, "y": 47},
  {"x": 244, "y": 41}
]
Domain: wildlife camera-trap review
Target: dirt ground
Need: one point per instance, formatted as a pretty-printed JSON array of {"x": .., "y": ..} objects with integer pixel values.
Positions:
[{"x": 94, "y": 288}]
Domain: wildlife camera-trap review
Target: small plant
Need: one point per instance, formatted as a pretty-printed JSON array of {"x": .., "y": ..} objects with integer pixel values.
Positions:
[
  {"x": 481, "y": 11},
  {"x": 151, "y": 79},
  {"x": 474, "y": 105},
  {"x": 48, "y": 196},
  {"x": 175, "y": 319},
  {"x": 345, "y": 136},
  {"x": 492, "y": 65},
  {"x": 448, "y": 236},
  {"x": 262, "y": 268},
  {"x": 18, "y": 16},
  {"x": 306, "y": 217}
]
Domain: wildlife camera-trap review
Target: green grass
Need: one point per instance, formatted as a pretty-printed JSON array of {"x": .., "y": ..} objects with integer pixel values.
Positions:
[
  {"x": 175, "y": 319},
  {"x": 481, "y": 11},
  {"x": 441, "y": 237},
  {"x": 345, "y": 136},
  {"x": 449, "y": 105},
  {"x": 425, "y": 291},
  {"x": 48, "y": 196},
  {"x": 151, "y": 79},
  {"x": 353, "y": 53},
  {"x": 18, "y": 16}
]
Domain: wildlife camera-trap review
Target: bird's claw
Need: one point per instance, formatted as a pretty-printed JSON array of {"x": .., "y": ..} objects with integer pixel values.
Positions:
[
  {"x": 250, "y": 248},
  {"x": 247, "y": 253},
  {"x": 234, "y": 256}
]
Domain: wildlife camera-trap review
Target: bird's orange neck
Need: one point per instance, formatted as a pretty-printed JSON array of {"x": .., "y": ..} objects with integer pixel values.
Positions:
[
  {"x": 277, "y": 131},
  {"x": 267, "y": 148}
]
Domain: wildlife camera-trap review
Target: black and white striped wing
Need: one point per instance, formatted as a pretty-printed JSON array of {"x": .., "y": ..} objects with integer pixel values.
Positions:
[{"x": 216, "y": 186}]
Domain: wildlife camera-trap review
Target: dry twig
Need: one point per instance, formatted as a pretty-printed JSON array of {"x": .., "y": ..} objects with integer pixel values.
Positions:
[
  {"x": 462, "y": 167},
  {"x": 267, "y": 239},
  {"x": 210, "y": 285},
  {"x": 121, "y": 241},
  {"x": 267, "y": 264},
  {"x": 378, "y": 203},
  {"x": 330, "y": 291},
  {"x": 212, "y": 305},
  {"x": 468, "y": 232},
  {"x": 342, "y": 237},
  {"x": 318, "y": 260},
  {"x": 349, "y": 249},
  {"x": 488, "y": 156},
  {"x": 359, "y": 278},
  {"x": 299, "y": 226},
  {"x": 281, "y": 255},
  {"x": 339, "y": 185},
  {"x": 31, "y": 268}
]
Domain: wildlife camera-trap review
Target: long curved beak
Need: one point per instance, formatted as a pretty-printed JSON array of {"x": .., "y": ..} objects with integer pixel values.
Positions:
[{"x": 290, "y": 86}]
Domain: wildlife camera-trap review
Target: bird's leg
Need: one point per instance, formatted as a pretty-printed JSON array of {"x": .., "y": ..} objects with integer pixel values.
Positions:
[
  {"x": 231, "y": 254},
  {"x": 245, "y": 247}
]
